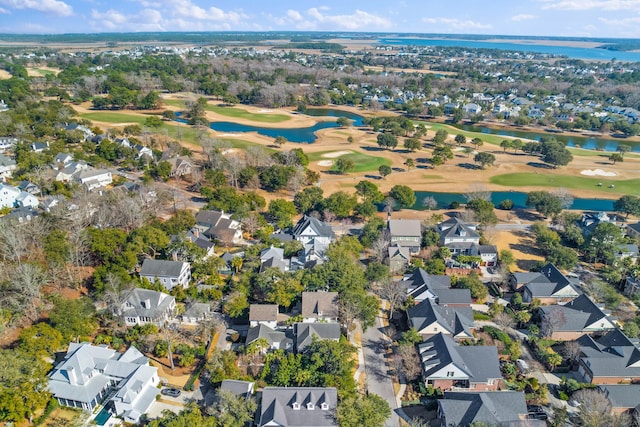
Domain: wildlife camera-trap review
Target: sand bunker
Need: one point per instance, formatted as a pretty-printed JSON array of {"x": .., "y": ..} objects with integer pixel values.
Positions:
[
  {"x": 325, "y": 163},
  {"x": 265, "y": 111},
  {"x": 597, "y": 172},
  {"x": 229, "y": 134},
  {"x": 336, "y": 154}
]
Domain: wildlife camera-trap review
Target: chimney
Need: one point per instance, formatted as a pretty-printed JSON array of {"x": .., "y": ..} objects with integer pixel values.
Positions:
[
  {"x": 196, "y": 232},
  {"x": 71, "y": 374}
]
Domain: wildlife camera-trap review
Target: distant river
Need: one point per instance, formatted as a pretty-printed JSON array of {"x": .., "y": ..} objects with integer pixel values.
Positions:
[
  {"x": 570, "y": 52},
  {"x": 588, "y": 143}
]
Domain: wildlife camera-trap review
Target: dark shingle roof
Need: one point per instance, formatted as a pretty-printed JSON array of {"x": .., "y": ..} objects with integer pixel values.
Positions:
[
  {"x": 263, "y": 312},
  {"x": 277, "y": 406},
  {"x": 457, "y": 320},
  {"x": 161, "y": 268},
  {"x": 493, "y": 408},
  {"x": 320, "y": 228},
  {"x": 612, "y": 355},
  {"x": 625, "y": 396},
  {"x": 320, "y": 304},
  {"x": 576, "y": 314},
  {"x": 305, "y": 332}
]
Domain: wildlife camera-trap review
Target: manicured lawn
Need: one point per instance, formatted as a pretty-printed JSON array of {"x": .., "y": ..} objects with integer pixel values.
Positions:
[
  {"x": 113, "y": 117},
  {"x": 236, "y": 113},
  {"x": 364, "y": 162},
  {"x": 629, "y": 186},
  {"x": 593, "y": 153},
  {"x": 240, "y": 113},
  {"x": 432, "y": 177},
  {"x": 44, "y": 72}
]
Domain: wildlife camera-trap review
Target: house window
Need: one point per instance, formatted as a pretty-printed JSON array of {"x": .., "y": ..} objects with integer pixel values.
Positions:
[
  {"x": 296, "y": 406},
  {"x": 310, "y": 406},
  {"x": 324, "y": 406}
]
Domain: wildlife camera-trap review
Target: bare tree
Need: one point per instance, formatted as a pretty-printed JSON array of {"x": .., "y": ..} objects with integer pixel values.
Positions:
[
  {"x": 328, "y": 215},
  {"x": 552, "y": 320},
  {"x": 411, "y": 368},
  {"x": 394, "y": 292},
  {"x": 571, "y": 350},
  {"x": 477, "y": 191},
  {"x": 380, "y": 246},
  {"x": 595, "y": 409},
  {"x": 116, "y": 293},
  {"x": 504, "y": 320}
]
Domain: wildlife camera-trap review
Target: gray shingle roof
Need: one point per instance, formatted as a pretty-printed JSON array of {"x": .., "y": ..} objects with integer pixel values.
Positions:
[
  {"x": 263, "y": 312},
  {"x": 453, "y": 296},
  {"x": 305, "y": 333},
  {"x": 278, "y": 338},
  {"x": 320, "y": 304},
  {"x": 405, "y": 227},
  {"x": 241, "y": 388},
  {"x": 479, "y": 363},
  {"x": 320, "y": 228},
  {"x": 625, "y": 396},
  {"x": 612, "y": 355},
  {"x": 456, "y": 320},
  {"x": 161, "y": 268},
  {"x": 576, "y": 314},
  {"x": 147, "y": 303},
  {"x": 493, "y": 408},
  {"x": 278, "y": 406}
]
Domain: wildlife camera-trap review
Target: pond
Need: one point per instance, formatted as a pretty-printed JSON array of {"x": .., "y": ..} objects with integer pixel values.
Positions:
[
  {"x": 589, "y": 143},
  {"x": 303, "y": 135},
  {"x": 518, "y": 198}
]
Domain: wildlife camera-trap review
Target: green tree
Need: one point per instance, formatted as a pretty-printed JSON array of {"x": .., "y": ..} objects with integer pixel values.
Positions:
[
  {"x": 409, "y": 163},
  {"x": 154, "y": 122},
  {"x": 23, "y": 385},
  {"x": 343, "y": 122},
  {"x": 369, "y": 192},
  {"x": 341, "y": 204},
  {"x": 507, "y": 258},
  {"x": 485, "y": 159},
  {"x": 370, "y": 410},
  {"x": 628, "y": 205},
  {"x": 233, "y": 410},
  {"x": 615, "y": 158},
  {"x": 73, "y": 318},
  {"x": 440, "y": 137},
  {"x": 484, "y": 211},
  {"x": 505, "y": 144},
  {"x": 344, "y": 165},
  {"x": 309, "y": 199},
  {"x": 41, "y": 340},
  {"x": 384, "y": 170},
  {"x": 477, "y": 142},
  {"x": 460, "y": 139},
  {"x": 282, "y": 211},
  {"x": 387, "y": 140},
  {"x": 404, "y": 195},
  {"x": 545, "y": 203},
  {"x": 412, "y": 144},
  {"x": 280, "y": 141}
]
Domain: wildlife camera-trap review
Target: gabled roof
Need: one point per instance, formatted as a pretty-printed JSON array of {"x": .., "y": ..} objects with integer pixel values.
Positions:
[
  {"x": 453, "y": 296},
  {"x": 277, "y": 407},
  {"x": 576, "y": 315},
  {"x": 478, "y": 363},
  {"x": 272, "y": 336},
  {"x": 305, "y": 333},
  {"x": 405, "y": 227},
  {"x": 455, "y": 227},
  {"x": 625, "y": 396},
  {"x": 493, "y": 408},
  {"x": 147, "y": 303},
  {"x": 612, "y": 355},
  {"x": 319, "y": 228},
  {"x": 635, "y": 227},
  {"x": 548, "y": 283},
  {"x": 263, "y": 312},
  {"x": 320, "y": 304},
  {"x": 241, "y": 388},
  {"x": 455, "y": 320},
  {"x": 161, "y": 268},
  {"x": 208, "y": 218},
  {"x": 397, "y": 251},
  {"x": 420, "y": 277}
]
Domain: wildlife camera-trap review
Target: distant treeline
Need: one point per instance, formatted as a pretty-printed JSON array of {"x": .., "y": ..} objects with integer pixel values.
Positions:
[{"x": 323, "y": 46}]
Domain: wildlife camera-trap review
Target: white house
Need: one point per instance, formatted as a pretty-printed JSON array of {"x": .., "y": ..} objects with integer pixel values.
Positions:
[
  {"x": 315, "y": 235},
  {"x": 168, "y": 273},
  {"x": 12, "y": 197},
  {"x": 7, "y": 166},
  {"x": 146, "y": 306},
  {"x": 94, "y": 178},
  {"x": 90, "y": 374},
  {"x": 7, "y": 142}
]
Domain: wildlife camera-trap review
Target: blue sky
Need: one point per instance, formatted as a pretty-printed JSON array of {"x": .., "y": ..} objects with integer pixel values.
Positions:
[{"x": 587, "y": 18}]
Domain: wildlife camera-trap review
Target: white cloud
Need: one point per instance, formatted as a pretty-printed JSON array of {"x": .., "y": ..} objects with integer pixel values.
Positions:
[
  {"x": 609, "y": 5},
  {"x": 294, "y": 15},
  {"x": 55, "y": 7},
  {"x": 4, "y": 11},
  {"x": 523, "y": 17},
  {"x": 356, "y": 21},
  {"x": 624, "y": 22},
  {"x": 458, "y": 24}
]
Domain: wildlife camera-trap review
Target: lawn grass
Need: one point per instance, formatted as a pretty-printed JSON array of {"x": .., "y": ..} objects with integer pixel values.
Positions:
[
  {"x": 44, "y": 72},
  {"x": 240, "y": 113},
  {"x": 526, "y": 179},
  {"x": 432, "y": 177},
  {"x": 236, "y": 113},
  {"x": 113, "y": 117},
  {"x": 364, "y": 162}
]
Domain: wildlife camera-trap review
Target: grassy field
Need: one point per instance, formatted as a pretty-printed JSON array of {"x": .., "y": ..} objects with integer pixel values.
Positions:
[
  {"x": 432, "y": 177},
  {"x": 236, "y": 113},
  {"x": 629, "y": 186},
  {"x": 113, "y": 117},
  {"x": 44, "y": 72},
  {"x": 363, "y": 162}
]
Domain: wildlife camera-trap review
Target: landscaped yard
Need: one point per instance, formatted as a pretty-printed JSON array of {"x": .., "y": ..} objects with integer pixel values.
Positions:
[{"x": 526, "y": 179}]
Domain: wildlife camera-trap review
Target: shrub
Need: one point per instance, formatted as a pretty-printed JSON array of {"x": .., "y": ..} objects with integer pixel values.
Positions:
[
  {"x": 506, "y": 205},
  {"x": 454, "y": 205},
  {"x": 562, "y": 395}
]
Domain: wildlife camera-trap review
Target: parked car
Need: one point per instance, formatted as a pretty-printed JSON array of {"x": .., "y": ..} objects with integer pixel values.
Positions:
[
  {"x": 171, "y": 392},
  {"x": 537, "y": 416}
]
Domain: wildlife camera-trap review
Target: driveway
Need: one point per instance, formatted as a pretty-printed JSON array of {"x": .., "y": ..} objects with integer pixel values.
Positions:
[{"x": 378, "y": 379}]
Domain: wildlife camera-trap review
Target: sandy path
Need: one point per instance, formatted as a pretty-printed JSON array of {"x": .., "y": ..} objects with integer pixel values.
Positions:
[{"x": 4, "y": 75}]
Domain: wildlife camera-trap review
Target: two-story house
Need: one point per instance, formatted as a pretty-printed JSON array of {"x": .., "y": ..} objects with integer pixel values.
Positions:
[
  {"x": 315, "y": 236},
  {"x": 319, "y": 307},
  {"x": 611, "y": 359},
  {"x": 575, "y": 318},
  {"x": 406, "y": 233},
  {"x": 169, "y": 273},
  {"x": 144, "y": 306},
  {"x": 449, "y": 366},
  {"x": 430, "y": 318}
]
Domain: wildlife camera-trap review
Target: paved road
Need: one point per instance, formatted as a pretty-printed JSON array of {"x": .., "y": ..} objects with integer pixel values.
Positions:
[{"x": 378, "y": 378}]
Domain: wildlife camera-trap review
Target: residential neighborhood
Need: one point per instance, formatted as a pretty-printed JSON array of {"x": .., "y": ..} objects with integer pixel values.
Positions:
[{"x": 312, "y": 233}]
